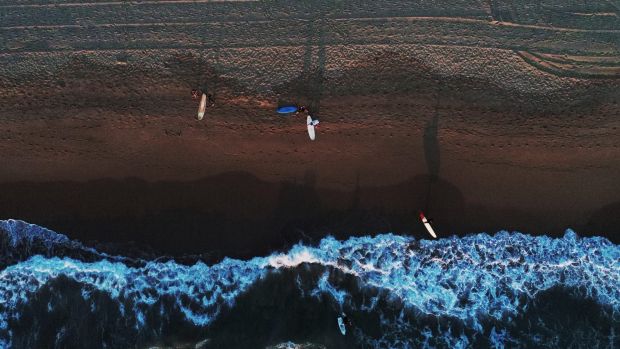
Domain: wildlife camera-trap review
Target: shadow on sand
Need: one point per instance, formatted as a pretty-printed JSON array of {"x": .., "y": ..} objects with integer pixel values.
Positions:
[
  {"x": 432, "y": 152},
  {"x": 237, "y": 214},
  {"x": 307, "y": 89},
  {"x": 605, "y": 220},
  {"x": 231, "y": 213}
]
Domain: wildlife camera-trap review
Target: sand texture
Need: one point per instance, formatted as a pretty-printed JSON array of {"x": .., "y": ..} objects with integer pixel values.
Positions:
[{"x": 487, "y": 114}]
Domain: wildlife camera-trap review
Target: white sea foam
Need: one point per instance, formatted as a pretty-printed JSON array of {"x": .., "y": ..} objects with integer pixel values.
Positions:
[{"x": 469, "y": 278}]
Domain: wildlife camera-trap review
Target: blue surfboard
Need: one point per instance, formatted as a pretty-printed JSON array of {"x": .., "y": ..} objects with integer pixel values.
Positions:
[{"x": 287, "y": 109}]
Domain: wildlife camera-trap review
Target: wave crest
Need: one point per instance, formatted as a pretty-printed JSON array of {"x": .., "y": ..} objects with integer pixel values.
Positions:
[{"x": 474, "y": 280}]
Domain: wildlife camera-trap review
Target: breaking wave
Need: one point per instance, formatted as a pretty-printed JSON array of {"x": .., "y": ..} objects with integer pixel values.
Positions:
[{"x": 502, "y": 290}]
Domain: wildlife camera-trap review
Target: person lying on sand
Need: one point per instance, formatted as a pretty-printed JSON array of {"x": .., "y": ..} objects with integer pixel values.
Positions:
[
  {"x": 302, "y": 109},
  {"x": 196, "y": 93},
  {"x": 210, "y": 100}
]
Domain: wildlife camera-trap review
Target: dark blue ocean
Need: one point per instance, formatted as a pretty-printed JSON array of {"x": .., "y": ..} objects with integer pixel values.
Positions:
[{"x": 505, "y": 290}]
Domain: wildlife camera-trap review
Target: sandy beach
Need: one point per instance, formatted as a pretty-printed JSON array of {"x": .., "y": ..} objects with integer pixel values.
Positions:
[{"x": 486, "y": 115}]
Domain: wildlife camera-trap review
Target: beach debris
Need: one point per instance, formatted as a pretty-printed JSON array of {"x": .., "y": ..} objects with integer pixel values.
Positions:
[{"x": 427, "y": 225}]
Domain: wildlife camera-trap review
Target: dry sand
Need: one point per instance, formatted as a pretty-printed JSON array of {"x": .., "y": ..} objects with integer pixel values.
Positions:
[{"x": 489, "y": 115}]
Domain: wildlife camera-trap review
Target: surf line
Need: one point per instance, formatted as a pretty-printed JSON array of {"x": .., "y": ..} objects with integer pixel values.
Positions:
[{"x": 431, "y": 142}]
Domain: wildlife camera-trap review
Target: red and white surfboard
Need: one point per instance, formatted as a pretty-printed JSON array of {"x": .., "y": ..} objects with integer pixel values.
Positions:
[{"x": 427, "y": 225}]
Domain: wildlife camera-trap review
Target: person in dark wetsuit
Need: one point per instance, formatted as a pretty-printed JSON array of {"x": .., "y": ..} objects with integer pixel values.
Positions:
[
  {"x": 210, "y": 100},
  {"x": 345, "y": 320},
  {"x": 197, "y": 93},
  {"x": 301, "y": 109}
]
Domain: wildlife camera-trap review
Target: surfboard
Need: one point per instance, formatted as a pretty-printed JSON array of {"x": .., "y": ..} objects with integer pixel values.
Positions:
[
  {"x": 341, "y": 326},
  {"x": 287, "y": 109},
  {"x": 202, "y": 107},
  {"x": 427, "y": 225},
  {"x": 311, "y": 132}
]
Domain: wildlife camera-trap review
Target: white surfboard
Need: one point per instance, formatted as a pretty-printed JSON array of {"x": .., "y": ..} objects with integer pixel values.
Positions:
[
  {"x": 341, "y": 326},
  {"x": 202, "y": 107},
  {"x": 311, "y": 124},
  {"x": 427, "y": 225}
]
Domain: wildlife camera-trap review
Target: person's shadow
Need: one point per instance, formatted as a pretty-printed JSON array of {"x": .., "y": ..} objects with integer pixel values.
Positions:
[
  {"x": 308, "y": 88},
  {"x": 431, "y": 150},
  {"x": 298, "y": 207},
  {"x": 431, "y": 147}
]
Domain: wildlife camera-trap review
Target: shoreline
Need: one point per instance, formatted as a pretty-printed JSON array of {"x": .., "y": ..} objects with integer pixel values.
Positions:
[
  {"x": 244, "y": 216},
  {"x": 484, "y": 125}
]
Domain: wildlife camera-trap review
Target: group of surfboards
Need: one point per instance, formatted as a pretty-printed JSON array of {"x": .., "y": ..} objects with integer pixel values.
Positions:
[{"x": 311, "y": 122}]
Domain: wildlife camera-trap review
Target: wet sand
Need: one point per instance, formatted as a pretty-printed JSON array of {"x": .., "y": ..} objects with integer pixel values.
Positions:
[{"x": 487, "y": 116}]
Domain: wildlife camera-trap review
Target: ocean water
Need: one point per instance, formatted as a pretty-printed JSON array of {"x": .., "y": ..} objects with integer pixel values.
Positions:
[{"x": 504, "y": 290}]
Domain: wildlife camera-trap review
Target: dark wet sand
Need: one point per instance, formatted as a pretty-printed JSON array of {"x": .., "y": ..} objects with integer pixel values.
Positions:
[{"x": 487, "y": 117}]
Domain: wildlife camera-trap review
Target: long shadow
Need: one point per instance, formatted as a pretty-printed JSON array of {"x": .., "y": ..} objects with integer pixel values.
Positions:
[
  {"x": 297, "y": 206},
  {"x": 195, "y": 72},
  {"x": 431, "y": 149},
  {"x": 308, "y": 87},
  {"x": 233, "y": 213},
  {"x": 605, "y": 221},
  {"x": 319, "y": 73},
  {"x": 236, "y": 214},
  {"x": 84, "y": 82}
]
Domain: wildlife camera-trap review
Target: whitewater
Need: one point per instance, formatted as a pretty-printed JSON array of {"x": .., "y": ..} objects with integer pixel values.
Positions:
[{"x": 479, "y": 290}]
